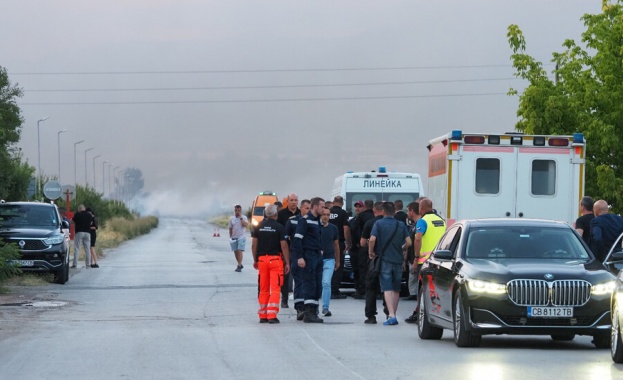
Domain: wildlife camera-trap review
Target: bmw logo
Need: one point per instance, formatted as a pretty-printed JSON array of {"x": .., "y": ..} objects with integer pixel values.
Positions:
[
  {"x": 549, "y": 276},
  {"x": 21, "y": 243}
]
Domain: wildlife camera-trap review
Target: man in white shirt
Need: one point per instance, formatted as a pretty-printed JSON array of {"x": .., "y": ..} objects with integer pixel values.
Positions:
[{"x": 237, "y": 234}]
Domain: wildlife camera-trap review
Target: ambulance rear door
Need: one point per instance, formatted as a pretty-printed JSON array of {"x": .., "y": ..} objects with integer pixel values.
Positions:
[
  {"x": 546, "y": 183},
  {"x": 486, "y": 181}
]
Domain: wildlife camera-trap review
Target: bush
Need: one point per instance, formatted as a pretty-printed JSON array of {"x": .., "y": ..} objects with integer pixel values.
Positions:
[{"x": 8, "y": 252}]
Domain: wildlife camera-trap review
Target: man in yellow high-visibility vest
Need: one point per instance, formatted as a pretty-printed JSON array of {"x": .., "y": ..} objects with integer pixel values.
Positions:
[{"x": 428, "y": 231}]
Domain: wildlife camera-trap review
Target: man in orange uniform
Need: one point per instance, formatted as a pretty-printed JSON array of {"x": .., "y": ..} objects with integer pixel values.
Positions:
[{"x": 270, "y": 250}]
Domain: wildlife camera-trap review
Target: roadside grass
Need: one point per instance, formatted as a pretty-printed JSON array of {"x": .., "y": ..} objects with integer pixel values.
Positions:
[
  {"x": 221, "y": 221},
  {"x": 116, "y": 231}
]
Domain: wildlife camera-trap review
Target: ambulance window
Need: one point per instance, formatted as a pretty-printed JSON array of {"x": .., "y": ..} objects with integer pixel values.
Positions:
[
  {"x": 487, "y": 176},
  {"x": 543, "y": 177}
]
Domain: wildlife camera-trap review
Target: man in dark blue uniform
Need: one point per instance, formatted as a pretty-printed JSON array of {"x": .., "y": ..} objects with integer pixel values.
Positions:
[
  {"x": 295, "y": 272},
  {"x": 339, "y": 218},
  {"x": 307, "y": 253},
  {"x": 605, "y": 229},
  {"x": 291, "y": 209}
]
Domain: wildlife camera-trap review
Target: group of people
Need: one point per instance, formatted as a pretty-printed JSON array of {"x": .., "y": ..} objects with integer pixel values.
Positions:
[
  {"x": 599, "y": 228},
  {"x": 85, "y": 235},
  {"x": 308, "y": 245}
]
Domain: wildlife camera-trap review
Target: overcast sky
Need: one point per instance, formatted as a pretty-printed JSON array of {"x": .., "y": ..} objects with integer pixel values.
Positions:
[{"x": 215, "y": 101}]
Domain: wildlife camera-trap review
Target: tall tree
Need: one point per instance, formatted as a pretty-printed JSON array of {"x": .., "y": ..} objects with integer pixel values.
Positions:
[
  {"x": 14, "y": 175},
  {"x": 584, "y": 94}
]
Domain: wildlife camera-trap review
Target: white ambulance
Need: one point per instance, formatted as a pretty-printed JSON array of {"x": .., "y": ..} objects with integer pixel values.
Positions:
[
  {"x": 480, "y": 175},
  {"x": 378, "y": 186}
]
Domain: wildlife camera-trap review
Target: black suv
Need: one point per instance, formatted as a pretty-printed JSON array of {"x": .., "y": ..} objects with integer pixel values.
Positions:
[{"x": 41, "y": 235}]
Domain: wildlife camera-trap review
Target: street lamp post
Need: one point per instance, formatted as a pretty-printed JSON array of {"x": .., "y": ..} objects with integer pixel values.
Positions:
[
  {"x": 94, "y": 181},
  {"x": 114, "y": 174},
  {"x": 109, "y": 179},
  {"x": 86, "y": 180},
  {"x": 103, "y": 178},
  {"x": 59, "y": 154},
  {"x": 39, "y": 153},
  {"x": 75, "y": 177}
]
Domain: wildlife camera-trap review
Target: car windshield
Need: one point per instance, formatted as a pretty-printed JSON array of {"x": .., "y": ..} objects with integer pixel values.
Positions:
[
  {"x": 501, "y": 242},
  {"x": 27, "y": 215}
]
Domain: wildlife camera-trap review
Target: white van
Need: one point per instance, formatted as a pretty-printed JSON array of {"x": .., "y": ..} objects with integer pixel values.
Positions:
[{"x": 378, "y": 186}]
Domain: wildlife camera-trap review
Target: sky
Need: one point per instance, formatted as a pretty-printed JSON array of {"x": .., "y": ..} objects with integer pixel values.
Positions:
[{"x": 215, "y": 101}]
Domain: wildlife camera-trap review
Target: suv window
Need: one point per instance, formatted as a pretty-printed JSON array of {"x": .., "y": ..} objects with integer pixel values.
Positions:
[{"x": 27, "y": 215}]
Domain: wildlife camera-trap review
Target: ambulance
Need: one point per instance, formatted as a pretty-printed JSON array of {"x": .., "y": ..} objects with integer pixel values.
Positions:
[
  {"x": 512, "y": 175},
  {"x": 378, "y": 185},
  {"x": 263, "y": 199}
]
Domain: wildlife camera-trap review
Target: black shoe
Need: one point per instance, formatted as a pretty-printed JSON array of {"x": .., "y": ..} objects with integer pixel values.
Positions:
[
  {"x": 284, "y": 305},
  {"x": 300, "y": 314},
  {"x": 263, "y": 320},
  {"x": 238, "y": 268},
  {"x": 370, "y": 321},
  {"x": 326, "y": 312},
  {"x": 274, "y": 320},
  {"x": 94, "y": 266},
  {"x": 310, "y": 315},
  {"x": 338, "y": 296},
  {"x": 412, "y": 318}
]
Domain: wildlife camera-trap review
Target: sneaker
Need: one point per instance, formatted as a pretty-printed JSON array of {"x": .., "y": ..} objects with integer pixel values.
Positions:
[
  {"x": 338, "y": 296},
  {"x": 391, "y": 321},
  {"x": 238, "y": 268},
  {"x": 412, "y": 318},
  {"x": 274, "y": 320},
  {"x": 370, "y": 321},
  {"x": 326, "y": 312},
  {"x": 284, "y": 305},
  {"x": 263, "y": 320},
  {"x": 94, "y": 266}
]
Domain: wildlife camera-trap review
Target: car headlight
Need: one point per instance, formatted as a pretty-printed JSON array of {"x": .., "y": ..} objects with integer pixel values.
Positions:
[
  {"x": 605, "y": 288},
  {"x": 54, "y": 240},
  {"x": 255, "y": 223},
  {"x": 486, "y": 287}
]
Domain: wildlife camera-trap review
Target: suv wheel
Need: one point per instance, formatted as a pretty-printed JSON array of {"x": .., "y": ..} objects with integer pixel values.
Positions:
[{"x": 62, "y": 275}]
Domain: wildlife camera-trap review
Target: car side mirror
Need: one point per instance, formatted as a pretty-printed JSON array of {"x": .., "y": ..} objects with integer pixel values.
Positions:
[{"x": 443, "y": 254}]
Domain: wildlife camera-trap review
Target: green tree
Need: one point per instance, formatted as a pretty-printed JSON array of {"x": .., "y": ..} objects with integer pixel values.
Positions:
[
  {"x": 584, "y": 94},
  {"x": 14, "y": 175}
]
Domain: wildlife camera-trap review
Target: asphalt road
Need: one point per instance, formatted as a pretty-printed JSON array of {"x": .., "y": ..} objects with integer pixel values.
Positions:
[{"x": 169, "y": 305}]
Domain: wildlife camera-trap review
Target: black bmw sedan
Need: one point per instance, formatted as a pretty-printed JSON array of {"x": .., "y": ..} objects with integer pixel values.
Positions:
[{"x": 514, "y": 276}]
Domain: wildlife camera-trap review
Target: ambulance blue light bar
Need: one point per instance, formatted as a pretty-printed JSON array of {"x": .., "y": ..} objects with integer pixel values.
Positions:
[
  {"x": 382, "y": 169},
  {"x": 578, "y": 138},
  {"x": 457, "y": 134}
]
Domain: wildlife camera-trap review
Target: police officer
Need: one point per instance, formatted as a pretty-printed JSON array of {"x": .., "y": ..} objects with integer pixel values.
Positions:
[
  {"x": 307, "y": 251},
  {"x": 428, "y": 232},
  {"x": 295, "y": 272},
  {"x": 270, "y": 251}
]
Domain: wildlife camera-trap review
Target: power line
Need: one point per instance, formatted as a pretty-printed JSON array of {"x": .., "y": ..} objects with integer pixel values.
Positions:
[
  {"x": 275, "y": 86},
  {"x": 261, "y": 100},
  {"x": 262, "y": 70}
]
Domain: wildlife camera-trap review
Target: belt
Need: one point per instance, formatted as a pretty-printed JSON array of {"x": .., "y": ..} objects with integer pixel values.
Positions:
[{"x": 269, "y": 254}]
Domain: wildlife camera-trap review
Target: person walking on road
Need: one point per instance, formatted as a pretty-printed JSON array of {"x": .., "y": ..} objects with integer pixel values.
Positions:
[
  {"x": 393, "y": 239},
  {"x": 295, "y": 271},
  {"x": 271, "y": 257},
  {"x": 82, "y": 237},
  {"x": 93, "y": 232},
  {"x": 237, "y": 232},
  {"x": 339, "y": 218},
  {"x": 307, "y": 251}
]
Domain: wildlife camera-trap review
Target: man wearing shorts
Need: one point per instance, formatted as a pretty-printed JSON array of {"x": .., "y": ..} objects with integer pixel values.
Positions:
[
  {"x": 237, "y": 234},
  {"x": 392, "y": 237}
]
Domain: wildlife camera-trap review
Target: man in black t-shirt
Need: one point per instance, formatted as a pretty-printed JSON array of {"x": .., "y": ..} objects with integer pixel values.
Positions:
[
  {"x": 82, "y": 236},
  {"x": 373, "y": 288},
  {"x": 583, "y": 223},
  {"x": 339, "y": 218},
  {"x": 268, "y": 247},
  {"x": 291, "y": 209}
]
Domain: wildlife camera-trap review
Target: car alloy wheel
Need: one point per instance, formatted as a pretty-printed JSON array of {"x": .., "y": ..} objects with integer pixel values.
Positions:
[
  {"x": 616, "y": 344},
  {"x": 462, "y": 337},
  {"x": 424, "y": 328}
]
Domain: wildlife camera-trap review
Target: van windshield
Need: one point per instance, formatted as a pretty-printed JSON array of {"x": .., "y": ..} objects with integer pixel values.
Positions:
[{"x": 258, "y": 211}]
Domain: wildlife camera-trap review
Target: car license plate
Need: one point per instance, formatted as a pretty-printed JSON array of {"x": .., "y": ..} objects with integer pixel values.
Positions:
[{"x": 550, "y": 312}]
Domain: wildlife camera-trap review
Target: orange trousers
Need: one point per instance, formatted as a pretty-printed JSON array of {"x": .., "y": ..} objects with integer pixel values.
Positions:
[{"x": 271, "y": 279}]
